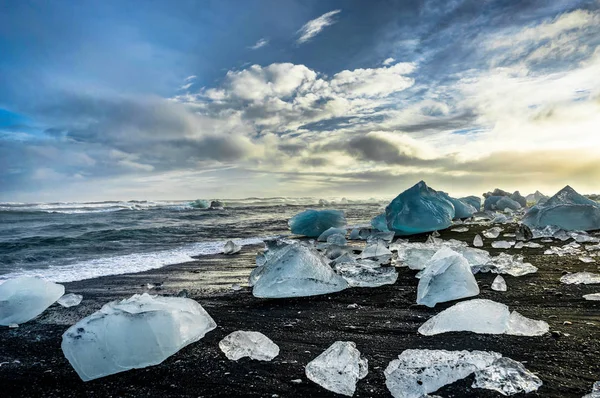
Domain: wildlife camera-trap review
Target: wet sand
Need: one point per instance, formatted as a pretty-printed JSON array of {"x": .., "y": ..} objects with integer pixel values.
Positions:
[{"x": 385, "y": 324}]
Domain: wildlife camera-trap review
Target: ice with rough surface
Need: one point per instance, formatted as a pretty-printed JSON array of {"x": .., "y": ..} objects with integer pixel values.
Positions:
[
  {"x": 507, "y": 203},
  {"x": 419, "y": 372},
  {"x": 586, "y": 278},
  {"x": 416, "y": 255},
  {"x": 492, "y": 233},
  {"x": 419, "y": 209},
  {"x": 24, "y": 298},
  {"x": 70, "y": 300},
  {"x": 296, "y": 271},
  {"x": 363, "y": 274},
  {"x": 313, "y": 223},
  {"x": 338, "y": 368},
  {"x": 477, "y": 241},
  {"x": 231, "y": 247},
  {"x": 507, "y": 264},
  {"x": 380, "y": 223},
  {"x": 461, "y": 209},
  {"x": 499, "y": 284},
  {"x": 331, "y": 231},
  {"x": 133, "y": 333},
  {"x": 447, "y": 276},
  {"x": 377, "y": 251},
  {"x": 474, "y": 201},
  {"x": 460, "y": 229},
  {"x": 518, "y": 325},
  {"x": 595, "y": 391},
  {"x": 255, "y": 345},
  {"x": 508, "y": 377}
]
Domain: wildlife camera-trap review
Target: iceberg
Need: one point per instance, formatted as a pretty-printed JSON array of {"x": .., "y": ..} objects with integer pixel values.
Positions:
[
  {"x": 200, "y": 204},
  {"x": 419, "y": 209},
  {"x": 133, "y": 333},
  {"x": 447, "y": 276},
  {"x": 461, "y": 209},
  {"x": 520, "y": 199},
  {"x": 295, "y": 271},
  {"x": 255, "y": 345},
  {"x": 313, "y": 223},
  {"x": 24, "y": 298},
  {"x": 380, "y": 223},
  {"x": 70, "y": 300},
  {"x": 508, "y": 377},
  {"x": 331, "y": 231},
  {"x": 499, "y": 284},
  {"x": 474, "y": 201},
  {"x": 586, "y": 278},
  {"x": 567, "y": 210},
  {"x": 231, "y": 247},
  {"x": 338, "y": 368}
]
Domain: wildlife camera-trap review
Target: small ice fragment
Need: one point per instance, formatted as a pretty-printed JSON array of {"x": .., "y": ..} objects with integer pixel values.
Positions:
[
  {"x": 255, "y": 345},
  {"x": 70, "y": 300},
  {"x": 352, "y": 306},
  {"x": 595, "y": 391},
  {"x": 518, "y": 325},
  {"x": 460, "y": 229},
  {"x": 587, "y": 278},
  {"x": 231, "y": 247},
  {"x": 331, "y": 231},
  {"x": 592, "y": 297},
  {"x": 508, "y": 377},
  {"x": 519, "y": 245},
  {"x": 586, "y": 259},
  {"x": 150, "y": 286},
  {"x": 13, "y": 325},
  {"x": 235, "y": 287},
  {"x": 478, "y": 241},
  {"x": 502, "y": 244},
  {"x": 533, "y": 245},
  {"x": 24, "y": 298},
  {"x": 508, "y": 264},
  {"x": 338, "y": 368},
  {"x": 492, "y": 233},
  {"x": 296, "y": 381},
  {"x": 499, "y": 284},
  {"x": 336, "y": 240}
]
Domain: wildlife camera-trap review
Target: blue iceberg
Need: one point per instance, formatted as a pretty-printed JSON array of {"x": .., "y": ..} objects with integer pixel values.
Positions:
[
  {"x": 200, "y": 204},
  {"x": 567, "y": 210},
  {"x": 419, "y": 209},
  {"x": 380, "y": 223},
  {"x": 474, "y": 201},
  {"x": 461, "y": 209},
  {"x": 313, "y": 223}
]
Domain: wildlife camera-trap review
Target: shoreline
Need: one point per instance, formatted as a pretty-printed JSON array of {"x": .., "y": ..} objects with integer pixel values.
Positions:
[{"x": 384, "y": 325}]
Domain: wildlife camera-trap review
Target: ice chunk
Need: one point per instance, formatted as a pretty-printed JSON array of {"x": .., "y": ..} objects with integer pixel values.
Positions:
[
  {"x": 338, "y": 368},
  {"x": 506, "y": 203},
  {"x": 460, "y": 229},
  {"x": 586, "y": 278},
  {"x": 461, "y": 209},
  {"x": 536, "y": 197},
  {"x": 24, "y": 298},
  {"x": 70, "y": 300},
  {"x": 595, "y": 391},
  {"x": 447, "y": 276},
  {"x": 507, "y": 264},
  {"x": 200, "y": 204},
  {"x": 337, "y": 240},
  {"x": 492, "y": 233},
  {"x": 217, "y": 205},
  {"x": 502, "y": 244},
  {"x": 518, "y": 325},
  {"x": 477, "y": 241},
  {"x": 508, "y": 377},
  {"x": 380, "y": 223},
  {"x": 419, "y": 209},
  {"x": 419, "y": 372},
  {"x": 416, "y": 255},
  {"x": 474, "y": 201},
  {"x": 313, "y": 223},
  {"x": 362, "y": 274},
  {"x": 231, "y": 247},
  {"x": 134, "y": 333},
  {"x": 592, "y": 297},
  {"x": 520, "y": 199},
  {"x": 384, "y": 236},
  {"x": 377, "y": 251},
  {"x": 255, "y": 345},
  {"x": 296, "y": 271},
  {"x": 586, "y": 259},
  {"x": 331, "y": 231},
  {"x": 499, "y": 284}
]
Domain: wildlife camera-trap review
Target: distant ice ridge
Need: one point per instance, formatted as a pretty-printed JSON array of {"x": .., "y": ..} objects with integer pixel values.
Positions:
[{"x": 129, "y": 263}]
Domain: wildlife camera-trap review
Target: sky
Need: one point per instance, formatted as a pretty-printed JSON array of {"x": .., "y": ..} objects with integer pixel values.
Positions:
[{"x": 120, "y": 100}]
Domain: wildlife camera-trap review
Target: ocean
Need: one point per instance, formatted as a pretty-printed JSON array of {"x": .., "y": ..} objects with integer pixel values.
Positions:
[{"x": 70, "y": 241}]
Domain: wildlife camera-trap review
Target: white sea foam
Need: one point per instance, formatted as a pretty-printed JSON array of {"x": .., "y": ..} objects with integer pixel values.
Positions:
[{"x": 130, "y": 263}]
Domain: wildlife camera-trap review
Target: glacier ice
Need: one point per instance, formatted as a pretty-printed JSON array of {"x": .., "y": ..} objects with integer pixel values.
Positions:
[
  {"x": 231, "y": 247},
  {"x": 295, "y": 271},
  {"x": 241, "y": 343},
  {"x": 417, "y": 373},
  {"x": 507, "y": 264},
  {"x": 366, "y": 274},
  {"x": 70, "y": 300},
  {"x": 331, "y": 231},
  {"x": 338, "y": 368},
  {"x": 477, "y": 241},
  {"x": 419, "y": 209},
  {"x": 474, "y": 201},
  {"x": 447, "y": 276},
  {"x": 387, "y": 237},
  {"x": 200, "y": 204},
  {"x": 502, "y": 244},
  {"x": 595, "y": 391},
  {"x": 520, "y": 199},
  {"x": 567, "y": 210},
  {"x": 536, "y": 197},
  {"x": 313, "y": 223},
  {"x": 461, "y": 209},
  {"x": 377, "y": 251},
  {"x": 492, "y": 233},
  {"x": 24, "y": 298},
  {"x": 586, "y": 278},
  {"x": 460, "y": 229},
  {"x": 508, "y": 377},
  {"x": 380, "y": 223},
  {"x": 518, "y": 325},
  {"x": 499, "y": 284},
  {"x": 336, "y": 240},
  {"x": 416, "y": 255},
  {"x": 133, "y": 333}
]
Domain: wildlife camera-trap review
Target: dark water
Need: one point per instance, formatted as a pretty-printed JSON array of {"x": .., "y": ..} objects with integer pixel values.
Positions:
[{"x": 73, "y": 241}]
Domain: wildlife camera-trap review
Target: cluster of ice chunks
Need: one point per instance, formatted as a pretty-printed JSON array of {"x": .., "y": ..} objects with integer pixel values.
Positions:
[
  {"x": 70, "y": 300},
  {"x": 482, "y": 316},
  {"x": 376, "y": 251},
  {"x": 567, "y": 210},
  {"x": 417, "y": 373},
  {"x": 338, "y": 368},
  {"x": 295, "y": 271},
  {"x": 447, "y": 276},
  {"x": 416, "y": 255},
  {"x": 506, "y": 264},
  {"x": 461, "y": 209},
  {"x": 586, "y": 278},
  {"x": 313, "y": 223},
  {"x": 419, "y": 209},
  {"x": 474, "y": 201},
  {"x": 24, "y": 298},
  {"x": 366, "y": 273},
  {"x": 231, "y": 248},
  {"x": 134, "y": 333},
  {"x": 255, "y": 345}
]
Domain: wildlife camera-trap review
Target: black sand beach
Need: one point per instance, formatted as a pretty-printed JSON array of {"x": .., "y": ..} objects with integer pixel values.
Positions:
[{"x": 384, "y": 325}]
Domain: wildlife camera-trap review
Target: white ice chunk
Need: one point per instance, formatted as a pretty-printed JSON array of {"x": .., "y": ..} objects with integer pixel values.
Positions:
[
  {"x": 587, "y": 278},
  {"x": 586, "y": 259},
  {"x": 492, "y": 233},
  {"x": 70, "y": 300},
  {"x": 446, "y": 277},
  {"x": 508, "y": 377},
  {"x": 331, "y": 231},
  {"x": 231, "y": 247},
  {"x": 478, "y": 241},
  {"x": 363, "y": 274},
  {"x": 134, "y": 333},
  {"x": 377, "y": 251},
  {"x": 337, "y": 240},
  {"x": 595, "y": 391},
  {"x": 502, "y": 244},
  {"x": 338, "y": 368},
  {"x": 255, "y": 345},
  {"x": 499, "y": 284},
  {"x": 460, "y": 229},
  {"x": 518, "y": 325},
  {"x": 592, "y": 297},
  {"x": 24, "y": 298},
  {"x": 507, "y": 264}
]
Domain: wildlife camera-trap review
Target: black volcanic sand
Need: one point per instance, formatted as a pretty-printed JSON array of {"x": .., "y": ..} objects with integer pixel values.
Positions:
[{"x": 384, "y": 325}]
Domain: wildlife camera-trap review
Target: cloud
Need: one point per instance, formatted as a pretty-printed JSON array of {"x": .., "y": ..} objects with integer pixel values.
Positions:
[
  {"x": 388, "y": 61},
  {"x": 260, "y": 43},
  {"x": 315, "y": 26}
]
